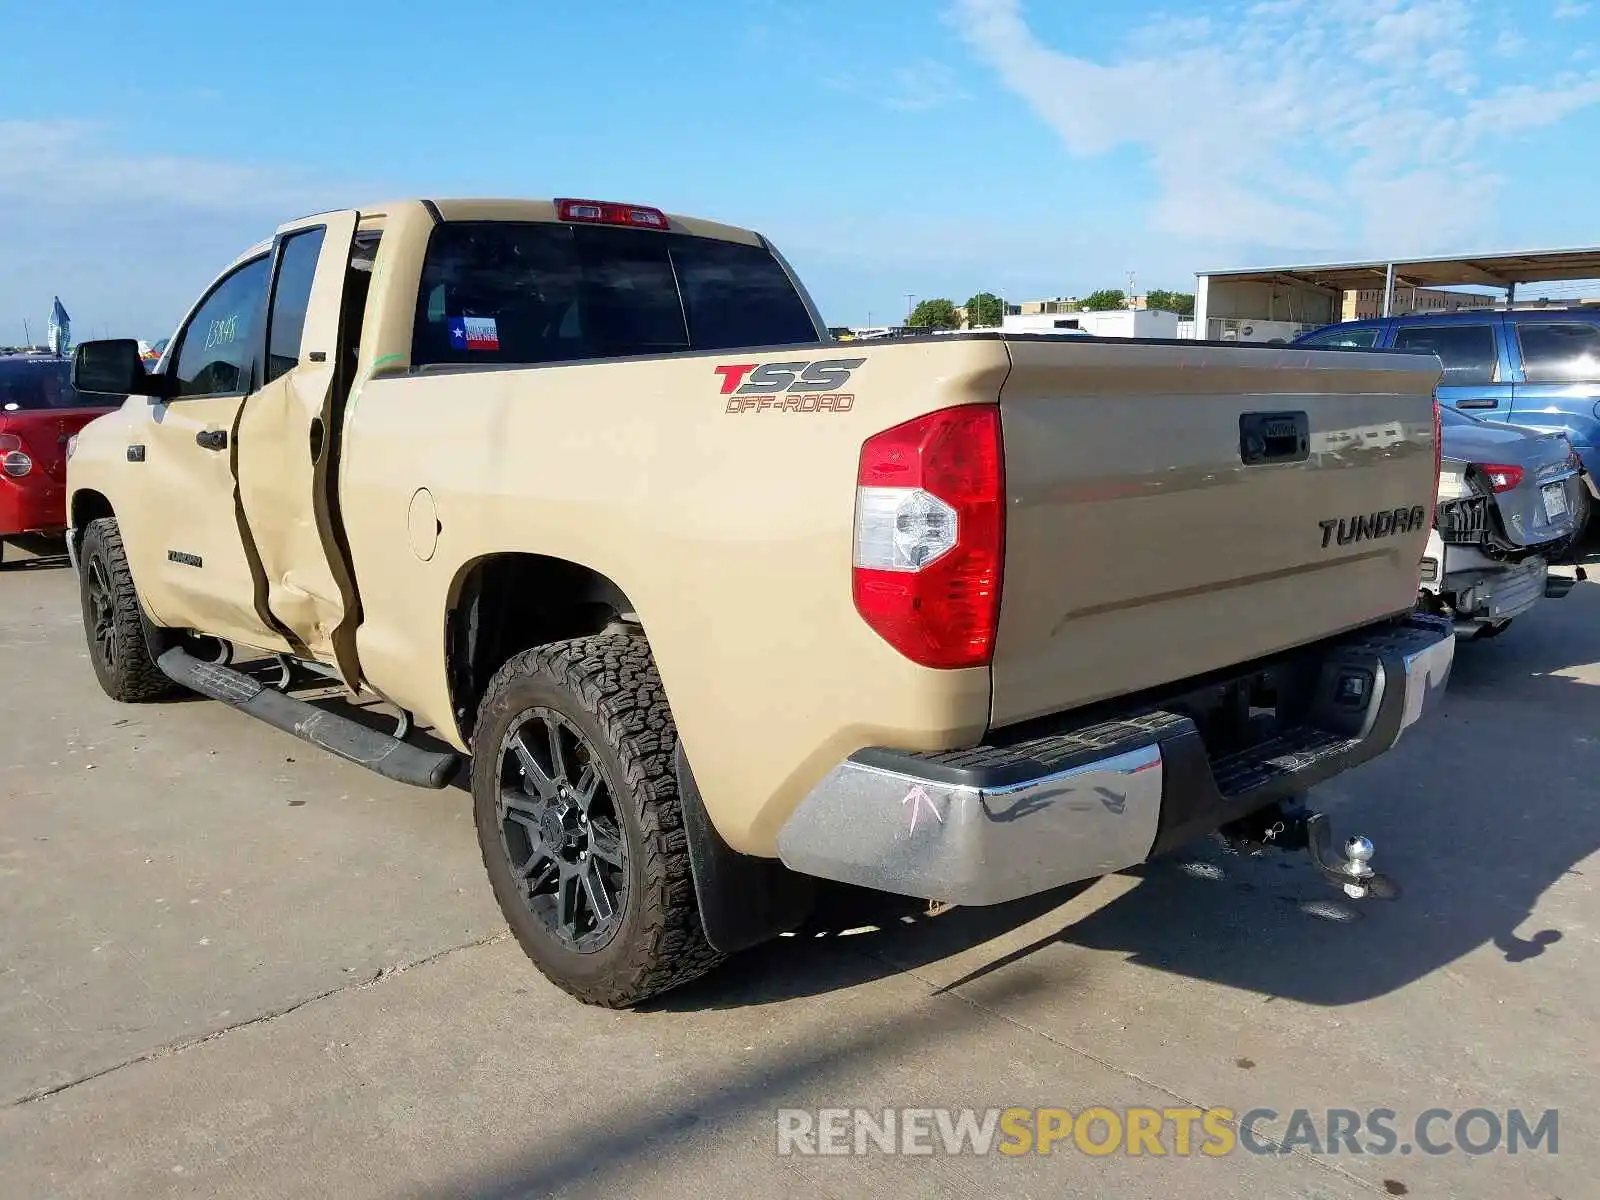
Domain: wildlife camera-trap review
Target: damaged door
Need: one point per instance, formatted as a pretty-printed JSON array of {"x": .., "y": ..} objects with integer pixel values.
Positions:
[{"x": 286, "y": 441}]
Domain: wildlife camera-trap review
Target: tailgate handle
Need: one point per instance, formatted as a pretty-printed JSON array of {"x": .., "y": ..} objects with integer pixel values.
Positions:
[
  {"x": 1486, "y": 403},
  {"x": 1274, "y": 437}
]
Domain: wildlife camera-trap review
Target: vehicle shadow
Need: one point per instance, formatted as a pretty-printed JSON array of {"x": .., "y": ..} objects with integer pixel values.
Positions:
[{"x": 37, "y": 554}]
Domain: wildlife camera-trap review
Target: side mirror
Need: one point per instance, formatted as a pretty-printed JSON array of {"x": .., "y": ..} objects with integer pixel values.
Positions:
[{"x": 113, "y": 367}]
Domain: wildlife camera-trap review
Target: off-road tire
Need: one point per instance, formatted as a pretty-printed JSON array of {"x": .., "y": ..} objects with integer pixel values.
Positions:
[
  {"x": 607, "y": 686},
  {"x": 130, "y": 674}
]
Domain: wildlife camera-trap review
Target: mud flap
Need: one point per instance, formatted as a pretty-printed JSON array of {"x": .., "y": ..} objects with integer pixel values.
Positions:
[{"x": 743, "y": 900}]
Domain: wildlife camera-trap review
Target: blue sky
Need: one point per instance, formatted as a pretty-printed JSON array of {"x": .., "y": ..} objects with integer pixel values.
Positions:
[{"x": 1030, "y": 147}]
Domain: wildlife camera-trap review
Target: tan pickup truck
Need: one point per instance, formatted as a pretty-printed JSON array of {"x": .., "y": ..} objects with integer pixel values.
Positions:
[{"x": 719, "y": 606}]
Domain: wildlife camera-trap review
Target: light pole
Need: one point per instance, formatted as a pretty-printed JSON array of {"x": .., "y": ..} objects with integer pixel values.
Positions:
[{"x": 910, "y": 296}]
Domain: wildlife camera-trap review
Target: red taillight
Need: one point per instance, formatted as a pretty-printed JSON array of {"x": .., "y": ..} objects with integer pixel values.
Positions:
[
  {"x": 604, "y": 212},
  {"x": 1501, "y": 478},
  {"x": 930, "y": 535}
]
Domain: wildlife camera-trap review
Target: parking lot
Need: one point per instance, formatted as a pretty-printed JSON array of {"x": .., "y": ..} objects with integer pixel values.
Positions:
[{"x": 236, "y": 967}]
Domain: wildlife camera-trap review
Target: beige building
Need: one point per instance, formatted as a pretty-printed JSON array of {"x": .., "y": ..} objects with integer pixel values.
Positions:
[{"x": 1368, "y": 302}]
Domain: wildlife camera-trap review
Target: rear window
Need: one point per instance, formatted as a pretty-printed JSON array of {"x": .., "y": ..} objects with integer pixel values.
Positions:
[
  {"x": 27, "y": 384},
  {"x": 514, "y": 292}
]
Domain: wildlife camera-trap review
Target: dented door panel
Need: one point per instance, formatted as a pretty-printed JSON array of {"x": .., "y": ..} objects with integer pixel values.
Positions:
[{"x": 284, "y": 450}]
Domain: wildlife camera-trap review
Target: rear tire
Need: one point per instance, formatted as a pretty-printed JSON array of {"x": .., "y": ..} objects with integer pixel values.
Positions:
[
  {"x": 113, "y": 622},
  {"x": 600, "y": 816}
]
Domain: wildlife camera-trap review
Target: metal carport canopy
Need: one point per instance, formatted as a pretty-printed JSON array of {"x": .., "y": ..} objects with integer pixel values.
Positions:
[{"x": 1491, "y": 270}]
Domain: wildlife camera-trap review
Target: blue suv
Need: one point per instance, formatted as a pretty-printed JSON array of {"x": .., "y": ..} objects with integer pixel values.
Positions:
[{"x": 1534, "y": 367}]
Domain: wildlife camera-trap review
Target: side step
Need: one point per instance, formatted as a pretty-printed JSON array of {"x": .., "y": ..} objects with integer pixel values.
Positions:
[{"x": 339, "y": 735}]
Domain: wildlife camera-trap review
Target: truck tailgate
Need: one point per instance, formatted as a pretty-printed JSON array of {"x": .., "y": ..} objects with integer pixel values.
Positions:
[{"x": 1142, "y": 549}]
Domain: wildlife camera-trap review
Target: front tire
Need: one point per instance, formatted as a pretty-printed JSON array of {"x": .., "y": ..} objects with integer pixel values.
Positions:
[
  {"x": 579, "y": 820},
  {"x": 113, "y": 622}
]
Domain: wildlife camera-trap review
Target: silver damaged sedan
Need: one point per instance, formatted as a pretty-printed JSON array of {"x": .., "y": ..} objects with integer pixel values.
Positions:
[{"x": 1511, "y": 504}]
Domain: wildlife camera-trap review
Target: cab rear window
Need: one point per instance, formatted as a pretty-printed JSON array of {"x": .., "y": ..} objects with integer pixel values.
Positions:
[
  {"x": 531, "y": 292},
  {"x": 28, "y": 384}
]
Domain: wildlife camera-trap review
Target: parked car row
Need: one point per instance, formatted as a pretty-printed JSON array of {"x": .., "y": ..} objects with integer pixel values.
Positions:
[
  {"x": 1535, "y": 368},
  {"x": 1515, "y": 494}
]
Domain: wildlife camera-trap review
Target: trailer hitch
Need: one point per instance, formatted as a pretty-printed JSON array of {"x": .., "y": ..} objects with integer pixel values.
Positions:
[{"x": 1293, "y": 827}]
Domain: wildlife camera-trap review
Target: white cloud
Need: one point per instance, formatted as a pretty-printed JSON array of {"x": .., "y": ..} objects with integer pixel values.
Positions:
[
  {"x": 1569, "y": 10},
  {"x": 1339, "y": 126},
  {"x": 1510, "y": 43},
  {"x": 80, "y": 204},
  {"x": 80, "y": 163},
  {"x": 916, "y": 87}
]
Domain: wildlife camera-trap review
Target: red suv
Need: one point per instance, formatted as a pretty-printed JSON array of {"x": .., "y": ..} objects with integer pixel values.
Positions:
[{"x": 39, "y": 411}]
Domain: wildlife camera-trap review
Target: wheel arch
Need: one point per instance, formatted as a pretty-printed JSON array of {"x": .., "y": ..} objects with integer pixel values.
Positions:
[
  {"x": 86, "y": 505},
  {"x": 503, "y": 603}
]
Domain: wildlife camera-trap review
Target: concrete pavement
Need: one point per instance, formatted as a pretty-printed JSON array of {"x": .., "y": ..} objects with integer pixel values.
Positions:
[{"x": 236, "y": 967}]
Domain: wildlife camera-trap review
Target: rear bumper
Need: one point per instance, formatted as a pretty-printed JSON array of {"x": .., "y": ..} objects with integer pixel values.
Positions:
[
  {"x": 31, "y": 504},
  {"x": 1494, "y": 594},
  {"x": 992, "y": 824}
]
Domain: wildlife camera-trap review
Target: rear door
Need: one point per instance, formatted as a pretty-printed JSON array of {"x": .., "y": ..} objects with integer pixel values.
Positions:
[
  {"x": 1558, "y": 384},
  {"x": 283, "y": 447},
  {"x": 1476, "y": 379}
]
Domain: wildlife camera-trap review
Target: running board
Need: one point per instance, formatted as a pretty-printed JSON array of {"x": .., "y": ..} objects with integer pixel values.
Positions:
[{"x": 348, "y": 739}]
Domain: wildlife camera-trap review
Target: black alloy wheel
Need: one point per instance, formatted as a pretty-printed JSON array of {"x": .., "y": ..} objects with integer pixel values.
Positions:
[{"x": 561, "y": 832}]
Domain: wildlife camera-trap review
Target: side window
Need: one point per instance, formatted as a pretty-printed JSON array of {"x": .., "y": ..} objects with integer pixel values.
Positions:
[
  {"x": 291, "y": 293},
  {"x": 1466, "y": 351},
  {"x": 1343, "y": 337},
  {"x": 1558, "y": 352},
  {"x": 216, "y": 356}
]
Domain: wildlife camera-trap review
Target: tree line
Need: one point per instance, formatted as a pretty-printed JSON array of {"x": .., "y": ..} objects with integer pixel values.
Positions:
[{"x": 985, "y": 309}]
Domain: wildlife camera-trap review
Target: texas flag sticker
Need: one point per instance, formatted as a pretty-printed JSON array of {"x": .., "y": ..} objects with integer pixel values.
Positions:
[{"x": 474, "y": 333}]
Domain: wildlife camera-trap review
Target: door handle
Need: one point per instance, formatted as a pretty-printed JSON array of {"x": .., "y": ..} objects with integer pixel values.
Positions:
[
  {"x": 1274, "y": 437},
  {"x": 212, "y": 439},
  {"x": 1477, "y": 404}
]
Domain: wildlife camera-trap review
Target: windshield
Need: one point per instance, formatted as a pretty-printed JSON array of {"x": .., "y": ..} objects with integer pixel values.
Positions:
[
  {"x": 530, "y": 292},
  {"x": 34, "y": 383}
]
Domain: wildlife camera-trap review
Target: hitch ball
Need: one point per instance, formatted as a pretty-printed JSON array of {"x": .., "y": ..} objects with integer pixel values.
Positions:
[{"x": 1357, "y": 863}]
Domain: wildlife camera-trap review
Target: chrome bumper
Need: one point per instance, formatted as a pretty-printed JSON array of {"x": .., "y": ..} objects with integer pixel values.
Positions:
[{"x": 996, "y": 823}]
